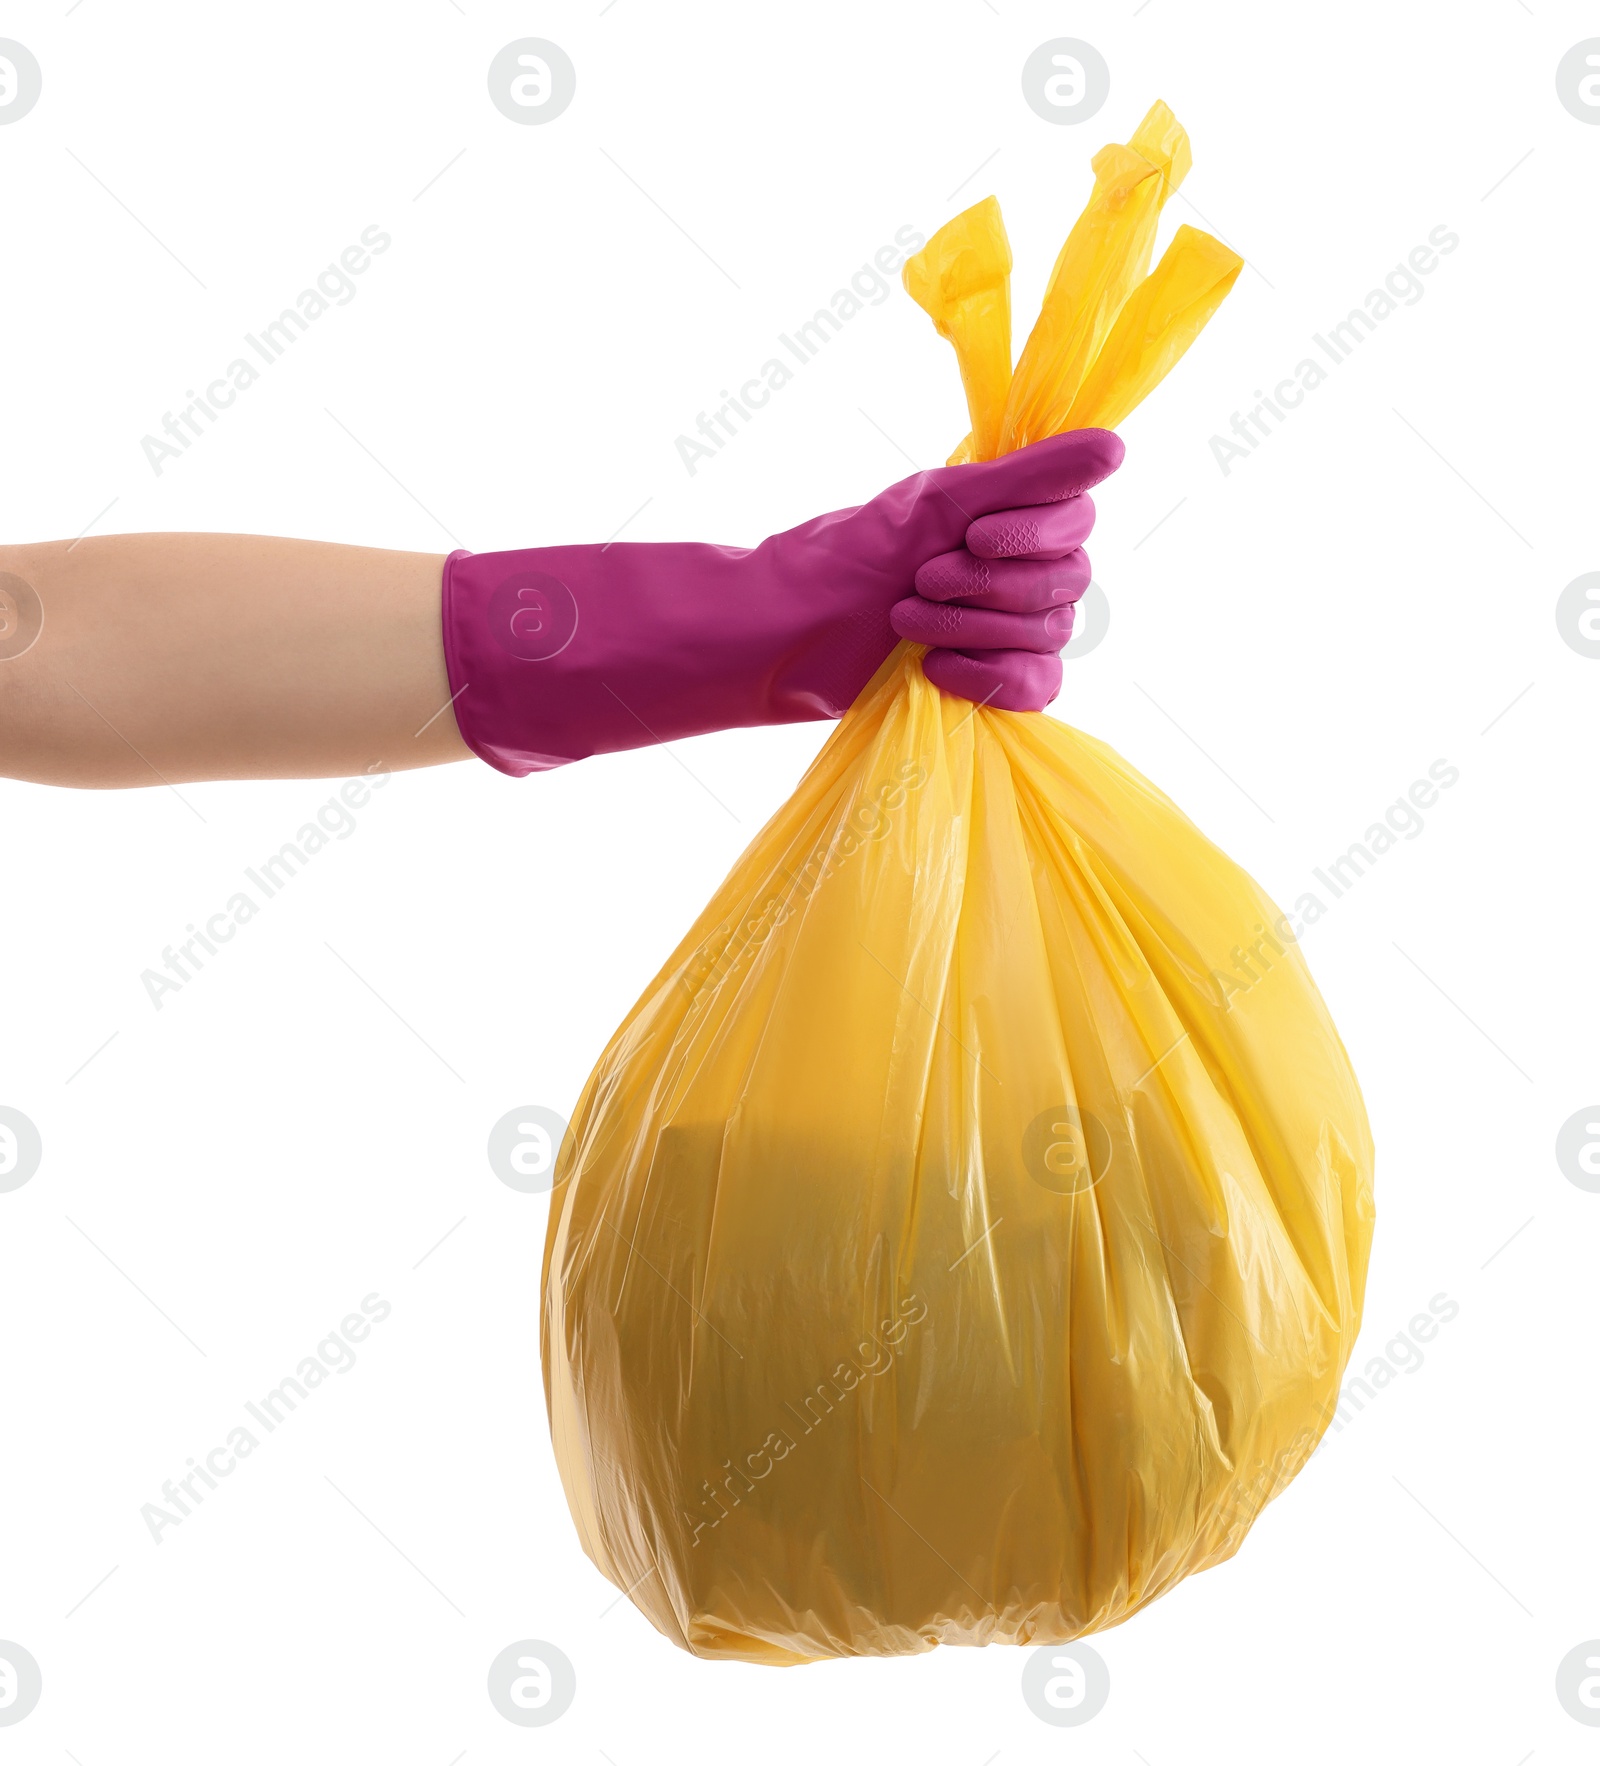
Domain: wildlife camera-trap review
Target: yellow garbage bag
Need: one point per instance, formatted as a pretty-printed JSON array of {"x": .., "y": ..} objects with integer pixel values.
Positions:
[{"x": 952, "y": 1245}]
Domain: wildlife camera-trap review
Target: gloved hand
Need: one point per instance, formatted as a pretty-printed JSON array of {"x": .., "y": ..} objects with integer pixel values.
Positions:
[{"x": 566, "y": 651}]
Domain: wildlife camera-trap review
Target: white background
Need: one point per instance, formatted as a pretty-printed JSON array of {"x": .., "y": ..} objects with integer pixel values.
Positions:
[{"x": 1299, "y": 639}]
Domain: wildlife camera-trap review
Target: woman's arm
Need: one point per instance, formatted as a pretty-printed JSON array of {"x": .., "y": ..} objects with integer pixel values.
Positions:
[
  {"x": 169, "y": 657},
  {"x": 221, "y": 656}
]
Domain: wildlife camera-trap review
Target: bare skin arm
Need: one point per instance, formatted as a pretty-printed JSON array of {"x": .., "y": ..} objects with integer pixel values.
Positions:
[{"x": 219, "y": 656}]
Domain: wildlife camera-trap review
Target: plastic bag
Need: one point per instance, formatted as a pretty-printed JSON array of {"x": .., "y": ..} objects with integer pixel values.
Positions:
[{"x": 939, "y": 1252}]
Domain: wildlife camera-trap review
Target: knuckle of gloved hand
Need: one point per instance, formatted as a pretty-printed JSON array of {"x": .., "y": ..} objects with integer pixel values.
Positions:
[
  {"x": 1068, "y": 577},
  {"x": 952, "y": 574},
  {"x": 1058, "y": 627},
  {"x": 1038, "y": 584},
  {"x": 1041, "y": 681},
  {"x": 903, "y": 617},
  {"x": 1038, "y": 633},
  {"x": 1007, "y": 534},
  {"x": 957, "y": 672},
  {"x": 925, "y": 622},
  {"x": 1068, "y": 524}
]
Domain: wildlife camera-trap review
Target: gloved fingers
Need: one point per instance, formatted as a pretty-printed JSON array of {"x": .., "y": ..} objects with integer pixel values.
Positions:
[
  {"x": 922, "y": 516},
  {"x": 980, "y": 628},
  {"x": 1047, "y": 530},
  {"x": 1044, "y": 472},
  {"x": 1004, "y": 680},
  {"x": 1014, "y": 585}
]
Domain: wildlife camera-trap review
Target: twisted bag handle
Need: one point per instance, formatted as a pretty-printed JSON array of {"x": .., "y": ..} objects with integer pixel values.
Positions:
[{"x": 1107, "y": 333}]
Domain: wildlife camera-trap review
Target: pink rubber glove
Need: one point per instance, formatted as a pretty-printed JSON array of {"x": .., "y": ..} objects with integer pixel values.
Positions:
[{"x": 566, "y": 651}]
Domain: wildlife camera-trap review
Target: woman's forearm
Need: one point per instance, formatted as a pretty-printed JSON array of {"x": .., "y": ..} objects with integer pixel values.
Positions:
[
  {"x": 220, "y": 656},
  {"x": 171, "y": 657}
]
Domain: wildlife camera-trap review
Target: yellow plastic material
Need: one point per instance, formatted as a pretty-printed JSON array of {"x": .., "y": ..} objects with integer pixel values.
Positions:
[
  {"x": 963, "y": 1237},
  {"x": 1162, "y": 317},
  {"x": 1104, "y": 259},
  {"x": 962, "y": 280}
]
